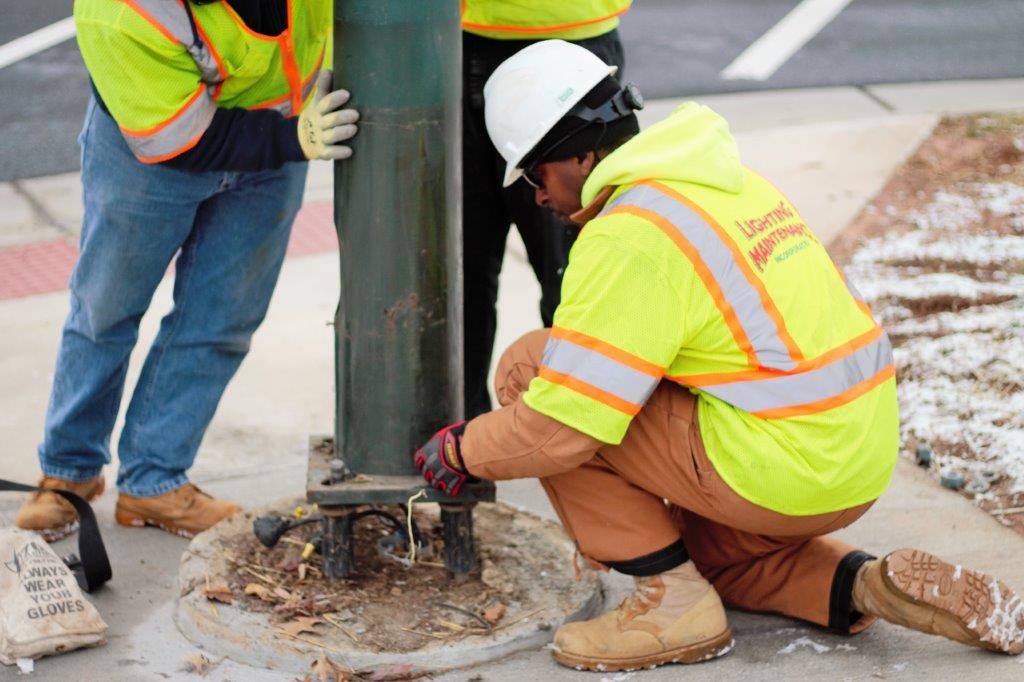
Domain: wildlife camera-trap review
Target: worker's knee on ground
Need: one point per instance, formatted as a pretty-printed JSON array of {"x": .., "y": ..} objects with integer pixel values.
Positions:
[{"x": 518, "y": 365}]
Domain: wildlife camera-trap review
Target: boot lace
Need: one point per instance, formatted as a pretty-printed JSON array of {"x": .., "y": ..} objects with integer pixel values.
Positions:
[{"x": 645, "y": 596}]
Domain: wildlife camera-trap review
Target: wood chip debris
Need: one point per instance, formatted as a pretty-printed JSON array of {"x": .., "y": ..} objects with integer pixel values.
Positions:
[
  {"x": 495, "y": 613},
  {"x": 323, "y": 669},
  {"x": 259, "y": 591},
  {"x": 218, "y": 592},
  {"x": 299, "y": 625}
]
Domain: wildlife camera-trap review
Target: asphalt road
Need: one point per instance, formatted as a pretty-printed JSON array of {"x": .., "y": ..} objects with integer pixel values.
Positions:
[{"x": 673, "y": 48}]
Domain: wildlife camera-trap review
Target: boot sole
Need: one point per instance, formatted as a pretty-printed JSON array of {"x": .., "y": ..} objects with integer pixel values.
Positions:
[
  {"x": 60, "y": 532},
  {"x": 989, "y": 614},
  {"x": 691, "y": 653},
  {"x": 134, "y": 521}
]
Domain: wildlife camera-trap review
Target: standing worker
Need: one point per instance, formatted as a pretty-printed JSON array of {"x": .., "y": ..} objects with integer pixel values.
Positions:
[
  {"x": 494, "y": 30},
  {"x": 195, "y": 144},
  {"x": 713, "y": 397}
]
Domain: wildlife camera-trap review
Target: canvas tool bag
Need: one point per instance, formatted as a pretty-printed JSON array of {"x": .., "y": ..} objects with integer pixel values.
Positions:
[{"x": 42, "y": 608}]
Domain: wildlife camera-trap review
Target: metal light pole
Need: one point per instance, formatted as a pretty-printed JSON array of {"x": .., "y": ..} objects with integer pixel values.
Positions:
[{"x": 398, "y": 327}]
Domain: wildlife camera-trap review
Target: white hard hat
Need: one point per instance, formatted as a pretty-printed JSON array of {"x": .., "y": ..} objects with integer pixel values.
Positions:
[{"x": 531, "y": 91}]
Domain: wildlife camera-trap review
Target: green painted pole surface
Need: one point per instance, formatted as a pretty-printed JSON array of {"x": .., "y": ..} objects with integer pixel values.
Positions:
[{"x": 398, "y": 328}]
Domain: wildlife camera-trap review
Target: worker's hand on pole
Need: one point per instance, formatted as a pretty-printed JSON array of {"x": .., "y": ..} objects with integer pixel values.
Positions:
[
  {"x": 440, "y": 460},
  {"x": 323, "y": 124}
]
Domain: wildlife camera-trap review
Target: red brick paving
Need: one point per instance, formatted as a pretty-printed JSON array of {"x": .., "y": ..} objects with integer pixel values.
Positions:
[{"x": 45, "y": 267}]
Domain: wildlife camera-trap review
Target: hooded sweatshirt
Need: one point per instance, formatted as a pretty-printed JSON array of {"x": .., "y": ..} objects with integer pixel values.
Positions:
[{"x": 631, "y": 291}]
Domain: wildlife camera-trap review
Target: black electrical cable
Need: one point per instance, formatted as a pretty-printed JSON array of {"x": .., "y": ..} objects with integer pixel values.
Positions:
[
  {"x": 283, "y": 525},
  {"x": 396, "y": 523}
]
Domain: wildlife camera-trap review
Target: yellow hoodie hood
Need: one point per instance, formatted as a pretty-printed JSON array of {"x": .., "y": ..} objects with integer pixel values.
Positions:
[{"x": 692, "y": 145}]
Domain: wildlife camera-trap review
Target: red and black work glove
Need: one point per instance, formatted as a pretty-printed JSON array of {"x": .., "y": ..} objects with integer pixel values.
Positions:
[{"x": 440, "y": 460}]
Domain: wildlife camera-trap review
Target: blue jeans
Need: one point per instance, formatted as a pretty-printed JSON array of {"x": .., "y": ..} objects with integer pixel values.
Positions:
[{"x": 229, "y": 232}]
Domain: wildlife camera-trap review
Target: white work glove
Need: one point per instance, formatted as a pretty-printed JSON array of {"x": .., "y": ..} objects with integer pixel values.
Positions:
[{"x": 322, "y": 126}]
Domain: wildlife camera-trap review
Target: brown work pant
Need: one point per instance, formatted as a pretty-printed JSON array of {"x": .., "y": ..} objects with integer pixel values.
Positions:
[{"x": 640, "y": 497}]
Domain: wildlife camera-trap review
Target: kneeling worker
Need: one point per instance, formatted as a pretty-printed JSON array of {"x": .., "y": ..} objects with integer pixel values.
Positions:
[{"x": 713, "y": 397}]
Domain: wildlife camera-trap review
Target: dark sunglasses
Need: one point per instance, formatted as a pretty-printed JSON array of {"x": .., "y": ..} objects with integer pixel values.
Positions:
[{"x": 532, "y": 179}]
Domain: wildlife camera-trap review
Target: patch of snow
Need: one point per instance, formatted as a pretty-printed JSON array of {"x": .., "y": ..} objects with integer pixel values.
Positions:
[
  {"x": 954, "y": 210},
  {"x": 891, "y": 285},
  {"x": 804, "y": 642},
  {"x": 947, "y": 211},
  {"x": 25, "y": 666},
  {"x": 977, "y": 319},
  {"x": 980, "y": 249},
  {"x": 1001, "y": 198},
  {"x": 845, "y": 647},
  {"x": 961, "y": 374}
]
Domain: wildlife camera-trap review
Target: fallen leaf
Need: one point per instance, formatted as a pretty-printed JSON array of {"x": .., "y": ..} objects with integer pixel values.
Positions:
[
  {"x": 220, "y": 592},
  {"x": 197, "y": 663},
  {"x": 324, "y": 669},
  {"x": 260, "y": 591},
  {"x": 360, "y": 478},
  {"x": 289, "y": 563},
  {"x": 398, "y": 671},
  {"x": 300, "y": 625},
  {"x": 495, "y": 613},
  {"x": 282, "y": 593},
  {"x": 302, "y": 571}
]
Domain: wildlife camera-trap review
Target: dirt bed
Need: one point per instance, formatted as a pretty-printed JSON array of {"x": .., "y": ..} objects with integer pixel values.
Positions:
[
  {"x": 388, "y": 605},
  {"x": 939, "y": 254}
]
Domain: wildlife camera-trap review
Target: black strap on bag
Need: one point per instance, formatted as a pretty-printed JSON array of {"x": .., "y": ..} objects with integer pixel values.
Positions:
[{"x": 93, "y": 568}]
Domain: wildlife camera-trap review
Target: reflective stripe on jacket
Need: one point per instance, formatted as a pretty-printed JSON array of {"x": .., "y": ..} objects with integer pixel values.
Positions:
[
  {"x": 542, "y": 19},
  {"x": 709, "y": 277},
  {"x": 162, "y": 81}
]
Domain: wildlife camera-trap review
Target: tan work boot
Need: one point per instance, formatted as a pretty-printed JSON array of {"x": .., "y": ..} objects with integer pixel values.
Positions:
[
  {"x": 184, "y": 511},
  {"x": 920, "y": 591},
  {"x": 51, "y": 515},
  {"x": 673, "y": 617}
]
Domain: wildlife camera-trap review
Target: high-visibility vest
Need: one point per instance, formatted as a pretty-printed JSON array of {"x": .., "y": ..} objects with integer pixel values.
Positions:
[
  {"x": 542, "y": 19},
  {"x": 745, "y": 308},
  {"x": 775, "y": 377},
  {"x": 162, "y": 80}
]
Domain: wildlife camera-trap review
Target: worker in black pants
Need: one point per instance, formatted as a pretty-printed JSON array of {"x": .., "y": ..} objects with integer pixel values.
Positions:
[{"x": 488, "y": 210}]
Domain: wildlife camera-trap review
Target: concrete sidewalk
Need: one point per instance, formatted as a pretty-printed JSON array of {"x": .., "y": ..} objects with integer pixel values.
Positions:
[{"x": 829, "y": 150}]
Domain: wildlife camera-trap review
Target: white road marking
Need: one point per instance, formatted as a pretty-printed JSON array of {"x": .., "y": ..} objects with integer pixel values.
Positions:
[
  {"x": 766, "y": 54},
  {"x": 36, "y": 41}
]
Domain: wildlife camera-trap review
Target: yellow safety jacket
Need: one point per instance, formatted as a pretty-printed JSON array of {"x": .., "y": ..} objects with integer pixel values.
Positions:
[
  {"x": 162, "y": 85},
  {"x": 542, "y": 19},
  {"x": 700, "y": 272}
]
